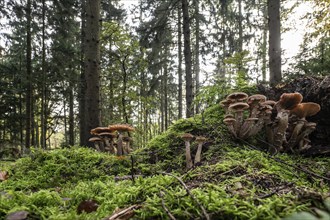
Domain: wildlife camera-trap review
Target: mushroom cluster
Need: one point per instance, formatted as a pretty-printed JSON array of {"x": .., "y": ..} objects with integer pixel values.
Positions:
[
  {"x": 200, "y": 141},
  {"x": 290, "y": 129},
  {"x": 287, "y": 131},
  {"x": 246, "y": 116},
  {"x": 104, "y": 139}
]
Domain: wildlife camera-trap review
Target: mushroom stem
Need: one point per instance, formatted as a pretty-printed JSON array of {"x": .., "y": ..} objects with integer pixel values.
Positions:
[
  {"x": 189, "y": 163},
  {"x": 296, "y": 131},
  {"x": 280, "y": 129},
  {"x": 120, "y": 144},
  {"x": 198, "y": 153},
  {"x": 304, "y": 135}
]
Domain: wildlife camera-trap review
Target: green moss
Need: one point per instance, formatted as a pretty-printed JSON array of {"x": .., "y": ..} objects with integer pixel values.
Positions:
[{"x": 233, "y": 181}]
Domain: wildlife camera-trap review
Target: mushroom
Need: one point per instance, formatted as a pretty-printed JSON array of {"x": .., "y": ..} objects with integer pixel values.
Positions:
[
  {"x": 308, "y": 128},
  {"x": 238, "y": 109},
  {"x": 126, "y": 148},
  {"x": 96, "y": 131},
  {"x": 248, "y": 124},
  {"x": 253, "y": 102},
  {"x": 287, "y": 102},
  {"x": 200, "y": 140},
  {"x": 301, "y": 111},
  {"x": 230, "y": 122},
  {"x": 97, "y": 142},
  {"x": 108, "y": 140},
  {"x": 120, "y": 128},
  {"x": 237, "y": 97},
  {"x": 225, "y": 104},
  {"x": 187, "y": 138}
]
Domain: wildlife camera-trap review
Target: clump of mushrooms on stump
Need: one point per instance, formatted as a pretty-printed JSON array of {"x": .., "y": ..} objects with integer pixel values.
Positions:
[{"x": 120, "y": 128}]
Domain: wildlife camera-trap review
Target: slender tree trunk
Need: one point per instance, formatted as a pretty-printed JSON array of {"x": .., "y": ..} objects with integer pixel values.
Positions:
[
  {"x": 264, "y": 45},
  {"x": 187, "y": 58},
  {"x": 123, "y": 97},
  {"x": 274, "y": 51},
  {"x": 92, "y": 67},
  {"x": 28, "y": 102},
  {"x": 180, "y": 63},
  {"x": 83, "y": 130},
  {"x": 197, "y": 66},
  {"x": 43, "y": 83},
  {"x": 71, "y": 114}
]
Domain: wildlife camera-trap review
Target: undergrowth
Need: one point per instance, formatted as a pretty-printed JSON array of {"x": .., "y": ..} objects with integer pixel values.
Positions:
[{"x": 232, "y": 182}]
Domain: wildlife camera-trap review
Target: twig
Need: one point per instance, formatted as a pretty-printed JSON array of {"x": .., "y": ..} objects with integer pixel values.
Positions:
[
  {"x": 161, "y": 194},
  {"x": 128, "y": 211},
  {"x": 275, "y": 191},
  {"x": 189, "y": 193}
]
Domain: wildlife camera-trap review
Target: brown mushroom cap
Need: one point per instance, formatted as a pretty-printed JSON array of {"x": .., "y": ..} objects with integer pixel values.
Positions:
[
  {"x": 98, "y": 130},
  {"x": 200, "y": 139},
  {"x": 256, "y": 98},
  {"x": 187, "y": 137},
  {"x": 225, "y": 103},
  {"x": 229, "y": 116},
  {"x": 120, "y": 127},
  {"x": 306, "y": 109},
  {"x": 93, "y": 139},
  {"x": 289, "y": 100},
  {"x": 252, "y": 119},
  {"x": 237, "y": 96},
  {"x": 268, "y": 102},
  {"x": 229, "y": 121},
  {"x": 238, "y": 106},
  {"x": 107, "y": 134}
]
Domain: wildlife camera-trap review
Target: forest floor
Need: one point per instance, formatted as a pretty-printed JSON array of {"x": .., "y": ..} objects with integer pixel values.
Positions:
[{"x": 233, "y": 181}]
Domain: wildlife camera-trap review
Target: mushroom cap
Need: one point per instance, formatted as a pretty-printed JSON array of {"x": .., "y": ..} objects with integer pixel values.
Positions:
[
  {"x": 120, "y": 127},
  {"x": 268, "y": 102},
  {"x": 93, "y": 139},
  {"x": 252, "y": 119},
  {"x": 96, "y": 131},
  {"x": 187, "y": 137},
  {"x": 200, "y": 139},
  {"x": 256, "y": 98},
  {"x": 238, "y": 106},
  {"x": 237, "y": 96},
  {"x": 107, "y": 134},
  {"x": 229, "y": 116},
  {"x": 306, "y": 109},
  {"x": 225, "y": 103},
  {"x": 289, "y": 100},
  {"x": 229, "y": 121}
]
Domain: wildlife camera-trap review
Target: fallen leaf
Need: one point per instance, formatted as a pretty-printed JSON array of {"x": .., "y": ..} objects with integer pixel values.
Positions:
[{"x": 3, "y": 175}]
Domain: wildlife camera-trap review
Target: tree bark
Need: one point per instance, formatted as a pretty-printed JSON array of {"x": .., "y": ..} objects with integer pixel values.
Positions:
[
  {"x": 43, "y": 83},
  {"x": 180, "y": 63},
  {"x": 197, "y": 66},
  {"x": 28, "y": 101},
  {"x": 187, "y": 58},
  {"x": 83, "y": 132},
  {"x": 274, "y": 52},
  {"x": 92, "y": 67}
]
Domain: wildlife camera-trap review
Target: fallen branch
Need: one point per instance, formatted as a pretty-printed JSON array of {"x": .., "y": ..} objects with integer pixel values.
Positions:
[
  {"x": 275, "y": 191},
  {"x": 161, "y": 194},
  {"x": 124, "y": 214},
  {"x": 189, "y": 193}
]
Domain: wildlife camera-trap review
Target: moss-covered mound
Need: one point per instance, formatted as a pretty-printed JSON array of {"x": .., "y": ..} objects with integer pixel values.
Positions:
[{"x": 232, "y": 182}]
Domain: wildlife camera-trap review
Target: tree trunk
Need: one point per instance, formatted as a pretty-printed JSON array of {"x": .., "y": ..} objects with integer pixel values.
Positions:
[
  {"x": 71, "y": 114},
  {"x": 187, "y": 58},
  {"x": 43, "y": 82},
  {"x": 274, "y": 52},
  {"x": 92, "y": 67},
  {"x": 83, "y": 132},
  {"x": 180, "y": 63},
  {"x": 197, "y": 66},
  {"x": 28, "y": 96},
  {"x": 264, "y": 45}
]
